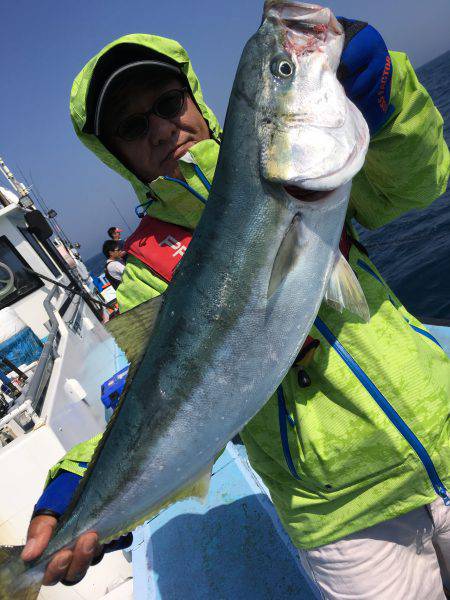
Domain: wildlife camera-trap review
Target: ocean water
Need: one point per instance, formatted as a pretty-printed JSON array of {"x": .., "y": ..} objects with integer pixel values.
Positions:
[
  {"x": 96, "y": 264},
  {"x": 413, "y": 252}
]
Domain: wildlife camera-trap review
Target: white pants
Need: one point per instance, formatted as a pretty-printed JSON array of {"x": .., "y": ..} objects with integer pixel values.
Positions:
[{"x": 407, "y": 558}]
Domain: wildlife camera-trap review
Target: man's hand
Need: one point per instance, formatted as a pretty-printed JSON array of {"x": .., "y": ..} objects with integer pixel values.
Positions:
[{"x": 68, "y": 566}]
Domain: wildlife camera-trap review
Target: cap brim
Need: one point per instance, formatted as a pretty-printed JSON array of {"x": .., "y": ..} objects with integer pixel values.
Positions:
[{"x": 142, "y": 63}]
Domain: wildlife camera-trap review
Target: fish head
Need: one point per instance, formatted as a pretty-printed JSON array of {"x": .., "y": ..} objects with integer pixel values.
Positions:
[{"x": 312, "y": 138}]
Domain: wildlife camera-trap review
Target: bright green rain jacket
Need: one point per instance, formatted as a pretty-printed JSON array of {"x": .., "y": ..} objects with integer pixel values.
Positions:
[{"x": 333, "y": 460}]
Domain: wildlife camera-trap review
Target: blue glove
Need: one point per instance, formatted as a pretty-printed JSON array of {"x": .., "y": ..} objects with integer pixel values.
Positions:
[
  {"x": 365, "y": 72},
  {"x": 56, "y": 498}
]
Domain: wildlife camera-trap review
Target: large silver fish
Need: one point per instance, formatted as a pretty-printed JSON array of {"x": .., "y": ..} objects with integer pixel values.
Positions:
[{"x": 246, "y": 293}]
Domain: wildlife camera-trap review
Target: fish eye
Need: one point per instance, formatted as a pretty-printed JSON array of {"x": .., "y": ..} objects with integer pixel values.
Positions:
[{"x": 282, "y": 68}]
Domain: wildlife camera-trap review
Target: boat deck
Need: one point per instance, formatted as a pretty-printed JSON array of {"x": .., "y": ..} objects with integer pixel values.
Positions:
[{"x": 231, "y": 547}]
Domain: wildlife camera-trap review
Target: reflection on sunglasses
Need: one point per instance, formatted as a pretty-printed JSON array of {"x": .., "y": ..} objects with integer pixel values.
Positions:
[{"x": 167, "y": 106}]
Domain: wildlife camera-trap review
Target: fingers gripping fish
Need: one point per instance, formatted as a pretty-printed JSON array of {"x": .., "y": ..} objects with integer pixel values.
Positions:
[{"x": 245, "y": 294}]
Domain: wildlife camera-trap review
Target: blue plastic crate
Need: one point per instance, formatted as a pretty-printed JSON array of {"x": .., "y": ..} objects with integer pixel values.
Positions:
[{"x": 112, "y": 388}]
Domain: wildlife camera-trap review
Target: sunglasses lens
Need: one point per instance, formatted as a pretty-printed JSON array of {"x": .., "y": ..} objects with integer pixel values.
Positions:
[
  {"x": 170, "y": 104},
  {"x": 167, "y": 106},
  {"x": 133, "y": 127}
]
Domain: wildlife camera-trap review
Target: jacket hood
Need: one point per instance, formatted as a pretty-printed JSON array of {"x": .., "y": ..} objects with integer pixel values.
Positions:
[{"x": 86, "y": 88}]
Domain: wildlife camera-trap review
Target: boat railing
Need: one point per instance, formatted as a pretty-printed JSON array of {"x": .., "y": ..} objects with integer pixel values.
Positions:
[
  {"x": 34, "y": 393},
  {"x": 26, "y": 414},
  {"x": 25, "y": 409}
]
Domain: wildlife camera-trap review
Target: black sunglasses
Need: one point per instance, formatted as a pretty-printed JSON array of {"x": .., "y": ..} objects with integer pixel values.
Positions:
[{"x": 167, "y": 106}]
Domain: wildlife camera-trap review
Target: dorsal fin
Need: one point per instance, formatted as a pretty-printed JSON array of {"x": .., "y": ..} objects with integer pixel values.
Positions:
[{"x": 132, "y": 331}]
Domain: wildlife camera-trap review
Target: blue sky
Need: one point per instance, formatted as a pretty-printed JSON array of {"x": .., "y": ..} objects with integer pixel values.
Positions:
[{"x": 44, "y": 44}]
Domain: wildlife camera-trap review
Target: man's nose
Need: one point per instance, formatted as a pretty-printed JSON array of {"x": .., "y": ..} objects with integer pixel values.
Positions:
[{"x": 160, "y": 130}]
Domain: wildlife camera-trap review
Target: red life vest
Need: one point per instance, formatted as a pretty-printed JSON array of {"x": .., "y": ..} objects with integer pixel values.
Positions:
[{"x": 159, "y": 245}]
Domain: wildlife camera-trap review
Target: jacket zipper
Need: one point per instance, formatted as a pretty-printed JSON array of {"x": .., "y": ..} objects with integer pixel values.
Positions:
[
  {"x": 284, "y": 418},
  {"x": 388, "y": 410}
]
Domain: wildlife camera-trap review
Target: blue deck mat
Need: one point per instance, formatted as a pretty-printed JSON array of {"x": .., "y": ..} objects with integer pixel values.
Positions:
[
  {"x": 230, "y": 547},
  {"x": 23, "y": 348}
]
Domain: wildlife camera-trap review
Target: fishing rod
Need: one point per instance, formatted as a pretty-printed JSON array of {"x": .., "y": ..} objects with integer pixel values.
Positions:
[
  {"x": 70, "y": 288},
  {"x": 24, "y": 193},
  {"x": 27, "y": 201},
  {"x": 120, "y": 214}
]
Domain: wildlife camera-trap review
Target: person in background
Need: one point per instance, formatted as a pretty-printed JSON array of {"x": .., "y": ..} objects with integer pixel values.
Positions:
[
  {"x": 115, "y": 266},
  {"x": 354, "y": 445},
  {"x": 114, "y": 234}
]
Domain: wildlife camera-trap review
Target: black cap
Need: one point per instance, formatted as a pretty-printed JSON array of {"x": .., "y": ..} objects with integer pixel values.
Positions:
[
  {"x": 154, "y": 64},
  {"x": 121, "y": 55}
]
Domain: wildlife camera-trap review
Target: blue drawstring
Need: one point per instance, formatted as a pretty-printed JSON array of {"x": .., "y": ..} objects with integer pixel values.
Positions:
[
  {"x": 186, "y": 186},
  {"x": 202, "y": 177},
  {"x": 141, "y": 209}
]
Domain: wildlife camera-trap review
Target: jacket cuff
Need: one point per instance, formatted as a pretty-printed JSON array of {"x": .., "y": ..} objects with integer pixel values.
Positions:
[
  {"x": 40, "y": 512},
  {"x": 57, "y": 495}
]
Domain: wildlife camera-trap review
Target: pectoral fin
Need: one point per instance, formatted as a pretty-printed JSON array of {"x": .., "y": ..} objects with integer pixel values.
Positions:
[
  {"x": 286, "y": 257},
  {"x": 344, "y": 290}
]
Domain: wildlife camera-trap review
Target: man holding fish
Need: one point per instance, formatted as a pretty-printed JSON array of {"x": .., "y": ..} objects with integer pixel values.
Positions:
[{"x": 354, "y": 443}]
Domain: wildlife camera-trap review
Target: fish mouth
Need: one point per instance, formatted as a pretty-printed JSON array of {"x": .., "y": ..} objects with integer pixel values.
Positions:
[
  {"x": 311, "y": 189},
  {"x": 306, "y": 29},
  {"x": 302, "y": 19},
  {"x": 296, "y": 10},
  {"x": 306, "y": 195},
  {"x": 343, "y": 173}
]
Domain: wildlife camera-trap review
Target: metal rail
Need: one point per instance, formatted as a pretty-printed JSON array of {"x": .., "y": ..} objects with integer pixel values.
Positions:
[
  {"x": 45, "y": 364},
  {"x": 26, "y": 408},
  {"x": 70, "y": 288}
]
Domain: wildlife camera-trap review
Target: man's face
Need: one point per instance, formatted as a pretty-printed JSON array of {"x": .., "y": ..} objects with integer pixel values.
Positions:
[
  {"x": 116, "y": 236},
  {"x": 157, "y": 152},
  {"x": 115, "y": 254}
]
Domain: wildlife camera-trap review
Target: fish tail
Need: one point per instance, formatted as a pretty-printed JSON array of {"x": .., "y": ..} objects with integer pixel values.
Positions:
[{"x": 17, "y": 580}]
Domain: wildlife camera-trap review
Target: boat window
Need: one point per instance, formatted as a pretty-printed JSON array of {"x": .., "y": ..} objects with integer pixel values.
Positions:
[
  {"x": 31, "y": 239},
  {"x": 15, "y": 281}
]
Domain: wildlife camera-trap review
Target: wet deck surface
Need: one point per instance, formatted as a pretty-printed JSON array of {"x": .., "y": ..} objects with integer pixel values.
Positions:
[{"x": 230, "y": 547}]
